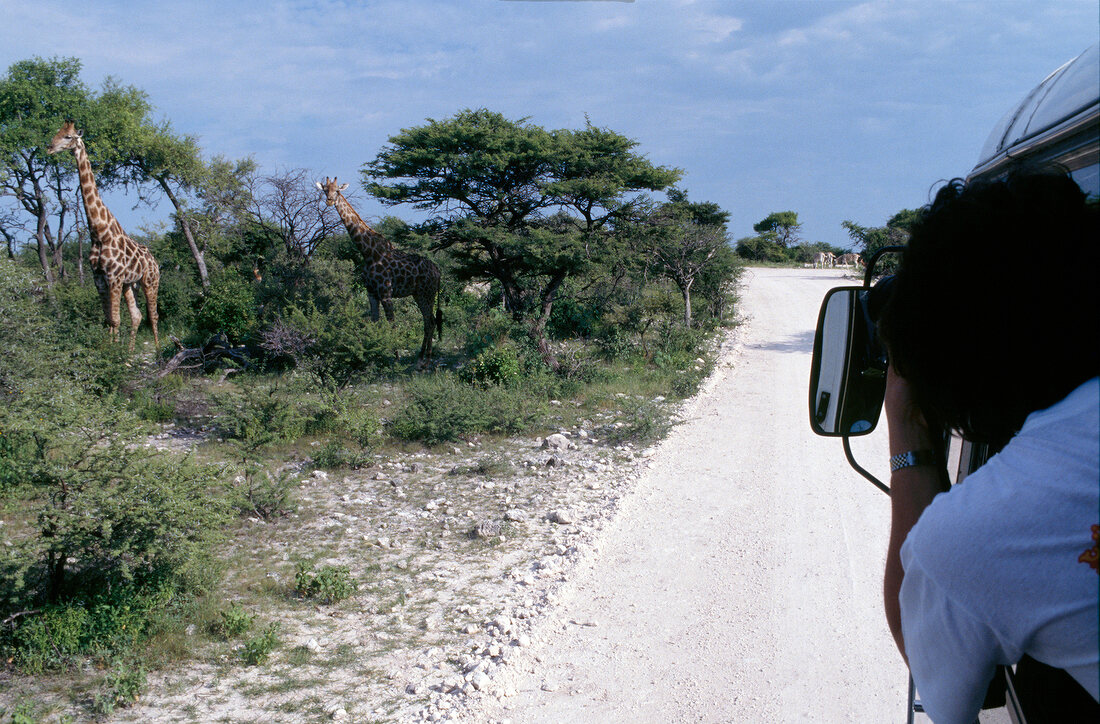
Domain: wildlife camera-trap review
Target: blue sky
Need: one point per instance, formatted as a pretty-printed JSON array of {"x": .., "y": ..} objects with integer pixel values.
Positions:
[{"x": 832, "y": 108}]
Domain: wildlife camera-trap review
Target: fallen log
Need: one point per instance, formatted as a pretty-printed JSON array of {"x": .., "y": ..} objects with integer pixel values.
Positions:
[{"x": 216, "y": 352}]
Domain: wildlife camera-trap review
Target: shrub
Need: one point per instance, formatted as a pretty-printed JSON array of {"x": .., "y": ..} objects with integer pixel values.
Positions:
[
  {"x": 345, "y": 343},
  {"x": 440, "y": 409},
  {"x": 256, "y": 416},
  {"x": 229, "y": 307},
  {"x": 105, "y": 624},
  {"x": 493, "y": 366},
  {"x": 261, "y": 493},
  {"x": 129, "y": 515},
  {"x": 646, "y": 422},
  {"x": 121, "y": 688},
  {"x": 333, "y": 455},
  {"x": 233, "y": 622},
  {"x": 257, "y": 650},
  {"x": 329, "y": 584}
]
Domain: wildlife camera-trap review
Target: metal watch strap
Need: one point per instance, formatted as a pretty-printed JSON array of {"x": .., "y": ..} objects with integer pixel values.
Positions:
[{"x": 911, "y": 458}]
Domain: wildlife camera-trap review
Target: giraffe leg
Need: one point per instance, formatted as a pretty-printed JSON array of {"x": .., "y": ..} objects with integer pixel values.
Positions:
[
  {"x": 114, "y": 296},
  {"x": 387, "y": 304},
  {"x": 373, "y": 307},
  {"x": 135, "y": 313},
  {"x": 150, "y": 287},
  {"x": 104, "y": 299},
  {"x": 429, "y": 327}
]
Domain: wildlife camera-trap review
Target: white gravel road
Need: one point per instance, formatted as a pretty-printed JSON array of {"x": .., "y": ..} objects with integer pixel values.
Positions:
[{"x": 741, "y": 580}]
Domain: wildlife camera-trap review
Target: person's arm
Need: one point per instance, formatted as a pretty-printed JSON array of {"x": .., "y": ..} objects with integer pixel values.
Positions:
[{"x": 911, "y": 489}]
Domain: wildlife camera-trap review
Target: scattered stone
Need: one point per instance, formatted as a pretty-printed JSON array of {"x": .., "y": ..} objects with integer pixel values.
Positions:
[
  {"x": 414, "y": 468},
  {"x": 557, "y": 441},
  {"x": 320, "y": 475},
  {"x": 561, "y": 517},
  {"x": 514, "y": 516},
  {"x": 486, "y": 529},
  {"x": 338, "y": 714},
  {"x": 480, "y": 681},
  {"x": 313, "y": 645},
  {"x": 555, "y": 462}
]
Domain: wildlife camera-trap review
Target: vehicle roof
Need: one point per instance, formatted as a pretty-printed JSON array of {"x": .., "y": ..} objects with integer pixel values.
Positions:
[{"x": 1065, "y": 103}]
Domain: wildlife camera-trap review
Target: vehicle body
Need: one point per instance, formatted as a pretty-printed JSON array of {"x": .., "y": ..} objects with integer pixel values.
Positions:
[{"x": 1056, "y": 125}]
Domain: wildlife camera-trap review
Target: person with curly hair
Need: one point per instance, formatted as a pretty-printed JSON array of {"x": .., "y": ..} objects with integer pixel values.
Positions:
[{"x": 992, "y": 327}]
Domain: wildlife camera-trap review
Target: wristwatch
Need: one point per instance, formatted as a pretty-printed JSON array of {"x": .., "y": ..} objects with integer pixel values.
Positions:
[{"x": 911, "y": 458}]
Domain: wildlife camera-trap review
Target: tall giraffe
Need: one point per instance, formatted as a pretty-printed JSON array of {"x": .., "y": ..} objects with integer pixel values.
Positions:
[
  {"x": 118, "y": 262},
  {"x": 390, "y": 273}
]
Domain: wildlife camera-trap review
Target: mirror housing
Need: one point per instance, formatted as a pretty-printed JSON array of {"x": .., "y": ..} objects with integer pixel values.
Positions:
[{"x": 848, "y": 370}]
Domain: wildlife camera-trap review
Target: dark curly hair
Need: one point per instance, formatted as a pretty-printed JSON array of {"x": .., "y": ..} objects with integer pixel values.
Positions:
[{"x": 994, "y": 309}]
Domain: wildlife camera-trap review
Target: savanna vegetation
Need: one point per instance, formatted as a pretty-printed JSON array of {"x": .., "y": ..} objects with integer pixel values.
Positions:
[{"x": 573, "y": 269}]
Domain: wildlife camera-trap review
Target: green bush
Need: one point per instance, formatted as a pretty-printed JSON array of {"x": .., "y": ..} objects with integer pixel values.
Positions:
[
  {"x": 646, "y": 422},
  {"x": 333, "y": 455},
  {"x": 345, "y": 343},
  {"x": 329, "y": 584},
  {"x": 258, "y": 415},
  {"x": 233, "y": 622},
  {"x": 441, "y": 409},
  {"x": 23, "y": 713},
  {"x": 130, "y": 516},
  {"x": 230, "y": 307},
  {"x": 259, "y": 492},
  {"x": 79, "y": 304},
  {"x": 257, "y": 650},
  {"x": 121, "y": 688},
  {"x": 498, "y": 365},
  {"x": 103, "y": 625}
]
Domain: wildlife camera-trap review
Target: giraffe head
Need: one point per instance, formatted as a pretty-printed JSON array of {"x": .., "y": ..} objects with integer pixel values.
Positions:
[
  {"x": 68, "y": 138},
  {"x": 330, "y": 190}
]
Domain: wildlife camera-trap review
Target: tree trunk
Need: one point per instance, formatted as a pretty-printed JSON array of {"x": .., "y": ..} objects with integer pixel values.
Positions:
[
  {"x": 40, "y": 235},
  {"x": 542, "y": 317},
  {"x": 185, "y": 226},
  {"x": 686, "y": 289}
]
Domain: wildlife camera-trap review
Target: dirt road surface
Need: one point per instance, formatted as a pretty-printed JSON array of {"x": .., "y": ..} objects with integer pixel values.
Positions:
[{"x": 741, "y": 581}]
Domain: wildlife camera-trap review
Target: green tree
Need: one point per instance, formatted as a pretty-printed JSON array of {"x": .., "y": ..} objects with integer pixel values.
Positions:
[
  {"x": 174, "y": 164},
  {"x": 781, "y": 227},
  {"x": 871, "y": 239},
  {"x": 35, "y": 96},
  {"x": 682, "y": 239},
  {"x": 513, "y": 202}
]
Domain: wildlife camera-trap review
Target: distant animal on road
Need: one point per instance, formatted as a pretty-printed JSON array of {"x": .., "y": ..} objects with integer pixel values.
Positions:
[
  {"x": 823, "y": 259},
  {"x": 849, "y": 260}
]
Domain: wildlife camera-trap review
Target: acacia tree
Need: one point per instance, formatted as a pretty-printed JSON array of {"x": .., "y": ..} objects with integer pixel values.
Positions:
[
  {"x": 34, "y": 95},
  {"x": 872, "y": 238},
  {"x": 514, "y": 202},
  {"x": 174, "y": 164},
  {"x": 682, "y": 239},
  {"x": 780, "y": 226}
]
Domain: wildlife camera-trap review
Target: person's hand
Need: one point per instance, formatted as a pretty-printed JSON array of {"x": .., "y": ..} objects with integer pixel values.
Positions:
[{"x": 908, "y": 428}]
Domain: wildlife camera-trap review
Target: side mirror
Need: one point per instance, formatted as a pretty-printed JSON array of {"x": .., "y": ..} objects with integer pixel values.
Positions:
[{"x": 848, "y": 371}]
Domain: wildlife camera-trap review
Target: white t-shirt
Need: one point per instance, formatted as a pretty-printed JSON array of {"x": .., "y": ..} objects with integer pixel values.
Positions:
[{"x": 1005, "y": 564}]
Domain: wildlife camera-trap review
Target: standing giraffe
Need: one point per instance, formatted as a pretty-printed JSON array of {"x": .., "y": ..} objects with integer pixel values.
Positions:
[
  {"x": 118, "y": 262},
  {"x": 390, "y": 273}
]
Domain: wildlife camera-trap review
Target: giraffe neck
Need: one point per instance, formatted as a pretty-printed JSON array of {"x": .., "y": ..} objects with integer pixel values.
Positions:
[
  {"x": 373, "y": 245},
  {"x": 100, "y": 219}
]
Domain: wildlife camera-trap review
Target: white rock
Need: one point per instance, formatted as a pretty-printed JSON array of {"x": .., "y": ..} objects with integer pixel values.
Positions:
[
  {"x": 557, "y": 441},
  {"x": 321, "y": 475},
  {"x": 480, "y": 680},
  {"x": 561, "y": 516},
  {"x": 313, "y": 645}
]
